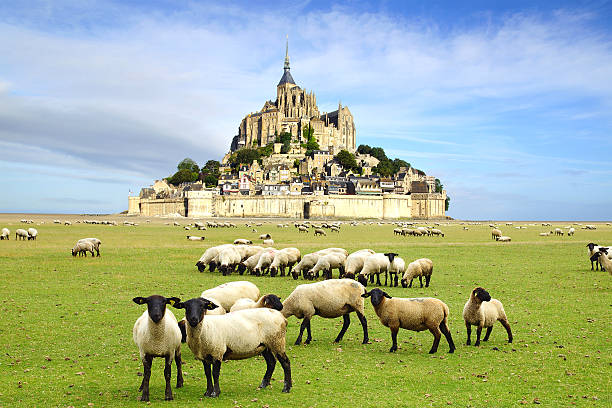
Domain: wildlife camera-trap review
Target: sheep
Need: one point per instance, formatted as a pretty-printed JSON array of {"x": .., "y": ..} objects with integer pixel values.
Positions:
[
  {"x": 329, "y": 299},
  {"x": 249, "y": 264},
  {"x": 307, "y": 262},
  {"x": 235, "y": 336},
  {"x": 437, "y": 232},
  {"x": 81, "y": 248},
  {"x": 397, "y": 266},
  {"x": 544, "y": 234},
  {"x": 558, "y": 231},
  {"x": 354, "y": 262},
  {"x": 265, "y": 236},
  {"x": 483, "y": 311},
  {"x": 397, "y": 231},
  {"x": 603, "y": 257},
  {"x": 6, "y": 233},
  {"x": 229, "y": 258},
  {"x": 335, "y": 229},
  {"x": 67, "y": 223},
  {"x": 375, "y": 264},
  {"x": 94, "y": 241},
  {"x": 319, "y": 231},
  {"x": 268, "y": 242},
  {"x": 228, "y": 293},
  {"x": 302, "y": 228},
  {"x": 495, "y": 234},
  {"x": 208, "y": 258},
  {"x": 504, "y": 239},
  {"x": 242, "y": 241},
  {"x": 194, "y": 238},
  {"x": 270, "y": 301},
  {"x": 416, "y": 314},
  {"x": 421, "y": 267},
  {"x": 571, "y": 232},
  {"x": 265, "y": 260},
  {"x": 326, "y": 263},
  {"x": 32, "y": 234},
  {"x": 288, "y": 257},
  {"x": 21, "y": 234},
  {"x": 157, "y": 334}
]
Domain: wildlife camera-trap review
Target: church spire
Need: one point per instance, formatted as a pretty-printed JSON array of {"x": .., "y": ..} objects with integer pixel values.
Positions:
[
  {"x": 287, "y": 54},
  {"x": 287, "y": 78}
]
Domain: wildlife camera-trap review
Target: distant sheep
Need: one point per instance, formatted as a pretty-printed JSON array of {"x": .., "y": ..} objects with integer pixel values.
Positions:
[
  {"x": 194, "y": 238},
  {"x": 32, "y": 233},
  {"x": 95, "y": 242},
  {"x": 242, "y": 241},
  {"x": 21, "y": 234},
  {"x": 504, "y": 239},
  {"x": 319, "y": 231},
  {"x": 265, "y": 236},
  {"x": 6, "y": 233},
  {"x": 495, "y": 234},
  {"x": 82, "y": 247},
  {"x": 302, "y": 228},
  {"x": 571, "y": 232},
  {"x": 482, "y": 311}
]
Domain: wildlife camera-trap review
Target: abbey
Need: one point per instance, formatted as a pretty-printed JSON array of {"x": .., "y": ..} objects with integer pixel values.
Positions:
[{"x": 295, "y": 111}]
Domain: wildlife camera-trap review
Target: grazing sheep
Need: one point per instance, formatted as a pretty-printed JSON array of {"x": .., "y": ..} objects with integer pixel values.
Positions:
[
  {"x": 95, "y": 242},
  {"x": 242, "y": 241},
  {"x": 558, "y": 231},
  {"x": 421, "y": 267},
  {"x": 326, "y": 263},
  {"x": 437, "y": 232},
  {"x": 228, "y": 293},
  {"x": 32, "y": 233},
  {"x": 482, "y": 311},
  {"x": 229, "y": 258},
  {"x": 157, "y": 334},
  {"x": 412, "y": 314},
  {"x": 265, "y": 260},
  {"x": 6, "y": 233},
  {"x": 495, "y": 234},
  {"x": 249, "y": 264},
  {"x": 82, "y": 247},
  {"x": 21, "y": 234},
  {"x": 270, "y": 301},
  {"x": 285, "y": 258},
  {"x": 571, "y": 232},
  {"x": 209, "y": 256},
  {"x": 302, "y": 228},
  {"x": 335, "y": 229},
  {"x": 398, "y": 231},
  {"x": 354, "y": 262},
  {"x": 544, "y": 234},
  {"x": 305, "y": 264},
  {"x": 235, "y": 336},
  {"x": 194, "y": 238},
  {"x": 265, "y": 236},
  {"x": 603, "y": 257},
  {"x": 268, "y": 241},
  {"x": 375, "y": 264},
  {"x": 319, "y": 231},
  {"x": 329, "y": 299},
  {"x": 504, "y": 239}
]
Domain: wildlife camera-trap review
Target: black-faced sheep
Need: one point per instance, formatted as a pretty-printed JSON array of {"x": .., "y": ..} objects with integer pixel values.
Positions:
[
  {"x": 95, "y": 242},
  {"x": 209, "y": 258},
  {"x": 6, "y": 233},
  {"x": 482, "y": 311},
  {"x": 21, "y": 234},
  {"x": 284, "y": 258},
  {"x": 495, "y": 234},
  {"x": 602, "y": 256},
  {"x": 157, "y": 334},
  {"x": 421, "y": 267},
  {"x": 270, "y": 301},
  {"x": 326, "y": 263},
  {"x": 328, "y": 299},
  {"x": 412, "y": 314},
  {"x": 228, "y": 293},
  {"x": 319, "y": 231},
  {"x": 355, "y": 261},
  {"x": 32, "y": 233},
  {"x": 235, "y": 336},
  {"x": 81, "y": 248}
]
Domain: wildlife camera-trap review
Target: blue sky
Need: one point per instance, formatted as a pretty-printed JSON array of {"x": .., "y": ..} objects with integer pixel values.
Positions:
[{"x": 509, "y": 104}]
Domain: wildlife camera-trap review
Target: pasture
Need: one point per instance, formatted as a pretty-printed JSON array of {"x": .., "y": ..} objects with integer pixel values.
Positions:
[{"x": 66, "y": 326}]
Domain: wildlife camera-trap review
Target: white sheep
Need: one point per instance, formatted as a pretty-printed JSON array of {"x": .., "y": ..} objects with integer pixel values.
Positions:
[
  {"x": 495, "y": 234},
  {"x": 208, "y": 258},
  {"x": 6, "y": 233},
  {"x": 397, "y": 267},
  {"x": 558, "y": 231},
  {"x": 420, "y": 267},
  {"x": 21, "y": 234},
  {"x": 354, "y": 262},
  {"x": 265, "y": 236},
  {"x": 302, "y": 228},
  {"x": 307, "y": 262},
  {"x": 329, "y": 299},
  {"x": 94, "y": 241},
  {"x": 194, "y": 238},
  {"x": 602, "y": 256},
  {"x": 157, "y": 334},
  {"x": 228, "y": 293},
  {"x": 235, "y": 336},
  {"x": 436, "y": 232},
  {"x": 242, "y": 241},
  {"x": 375, "y": 264},
  {"x": 319, "y": 231},
  {"x": 326, "y": 263},
  {"x": 412, "y": 314},
  {"x": 270, "y": 301},
  {"x": 82, "y": 247},
  {"x": 228, "y": 259},
  {"x": 285, "y": 258},
  {"x": 32, "y": 233},
  {"x": 482, "y": 311},
  {"x": 268, "y": 242},
  {"x": 249, "y": 264},
  {"x": 265, "y": 260},
  {"x": 504, "y": 238},
  {"x": 571, "y": 232}
]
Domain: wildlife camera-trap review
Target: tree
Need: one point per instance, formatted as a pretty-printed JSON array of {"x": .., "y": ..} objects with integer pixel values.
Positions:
[
  {"x": 346, "y": 160},
  {"x": 439, "y": 186},
  {"x": 183, "y": 176},
  {"x": 364, "y": 149},
  {"x": 246, "y": 156},
  {"x": 211, "y": 180},
  {"x": 446, "y": 203},
  {"x": 307, "y": 132},
  {"x": 211, "y": 167},
  {"x": 188, "y": 164}
]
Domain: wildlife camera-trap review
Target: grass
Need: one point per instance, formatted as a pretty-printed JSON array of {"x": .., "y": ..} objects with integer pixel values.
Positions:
[{"x": 66, "y": 326}]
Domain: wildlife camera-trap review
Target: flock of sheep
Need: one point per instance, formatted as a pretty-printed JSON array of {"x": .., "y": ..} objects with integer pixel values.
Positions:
[{"x": 20, "y": 234}]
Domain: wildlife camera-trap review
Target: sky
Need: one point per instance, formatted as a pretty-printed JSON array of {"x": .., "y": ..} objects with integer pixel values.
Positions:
[{"x": 509, "y": 104}]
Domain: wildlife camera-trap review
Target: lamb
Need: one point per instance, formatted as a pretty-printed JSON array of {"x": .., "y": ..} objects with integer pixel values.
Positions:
[
  {"x": 268, "y": 241},
  {"x": 504, "y": 239},
  {"x": 375, "y": 264},
  {"x": 6, "y": 233},
  {"x": 208, "y": 258},
  {"x": 235, "y": 336},
  {"x": 329, "y": 299},
  {"x": 412, "y": 314},
  {"x": 319, "y": 231},
  {"x": 228, "y": 293},
  {"x": 270, "y": 301},
  {"x": 229, "y": 258},
  {"x": 354, "y": 262},
  {"x": 95, "y": 242},
  {"x": 157, "y": 334},
  {"x": 194, "y": 238},
  {"x": 326, "y": 263},
  {"x": 21, "y": 234},
  {"x": 495, "y": 234},
  {"x": 483, "y": 311},
  {"x": 603, "y": 257},
  {"x": 81, "y": 248},
  {"x": 421, "y": 267},
  {"x": 32, "y": 233},
  {"x": 242, "y": 241}
]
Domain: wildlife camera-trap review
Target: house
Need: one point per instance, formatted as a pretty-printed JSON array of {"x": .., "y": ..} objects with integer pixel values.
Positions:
[
  {"x": 275, "y": 189},
  {"x": 245, "y": 184},
  {"x": 386, "y": 185},
  {"x": 367, "y": 187}
]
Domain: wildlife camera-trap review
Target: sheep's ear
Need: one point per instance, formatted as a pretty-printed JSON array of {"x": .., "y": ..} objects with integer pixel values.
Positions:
[
  {"x": 173, "y": 300},
  {"x": 139, "y": 300},
  {"x": 178, "y": 304},
  {"x": 209, "y": 305},
  {"x": 386, "y": 295},
  {"x": 366, "y": 294}
]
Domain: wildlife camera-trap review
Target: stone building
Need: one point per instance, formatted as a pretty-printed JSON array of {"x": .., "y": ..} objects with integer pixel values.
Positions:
[{"x": 292, "y": 111}]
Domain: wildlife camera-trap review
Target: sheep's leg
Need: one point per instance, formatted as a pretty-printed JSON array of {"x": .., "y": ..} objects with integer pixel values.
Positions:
[
  {"x": 168, "y": 378},
  {"x": 478, "y": 333},
  {"x": 386, "y": 277},
  {"x": 378, "y": 279},
  {"x": 446, "y": 332},
  {"x": 284, "y": 360},
  {"x": 147, "y": 361},
  {"x": 427, "y": 279},
  {"x": 271, "y": 363},
  {"x": 421, "y": 280},
  {"x": 396, "y": 280},
  {"x": 282, "y": 269},
  {"x": 364, "y": 325},
  {"x": 216, "y": 369},
  {"x": 437, "y": 335},
  {"x": 309, "y": 336},
  {"x": 394, "y": 330},
  {"x": 371, "y": 278},
  {"x": 209, "y": 382},
  {"x": 488, "y": 333},
  {"x": 179, "y": 368},
  {"x": 345, "y": 325},
  {"x": 507, "y": 327},
  {"x": 305, "y": 323},
  {"x": 469, "y": 333}
]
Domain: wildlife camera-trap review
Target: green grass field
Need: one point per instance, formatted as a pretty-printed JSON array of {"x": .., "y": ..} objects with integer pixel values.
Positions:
[{"x": 66, "y": 326}]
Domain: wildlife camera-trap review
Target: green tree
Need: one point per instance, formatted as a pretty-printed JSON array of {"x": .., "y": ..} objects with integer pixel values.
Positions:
[
  {"x": 188, "y": 164},
  {"x": 446, "y": 203},
  {"x": 211, "y": 167},
  {"x": 246, "y": 156},
  {"x": 211, "y": 180},
  {"x": 364, "y": 149},
  {"x": 183, "y": 176},
  {"x": 346, "y": 159},
  {"x": 439, "y": 186}
]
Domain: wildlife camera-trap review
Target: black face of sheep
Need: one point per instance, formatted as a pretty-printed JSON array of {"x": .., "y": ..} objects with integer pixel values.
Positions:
[
  {"x": 363, "y": 280},
  {"x": 404, "y": 283},
  {"x": 201, "y": 266},
  {"x": 273, "y": 302},
  {"x": 604, "y": 250},
  {"x": 590, "y": 245},
  {"x": 241, "y": 268},
  {"x": 391, "y": 256},
  {"x": 212, "y": 266},
  {"x": 481, "y": 294},
  {"x": 156, "y": 305},
  {"x": 195, "y": 309},
  {"x": 377, "y": 296}
]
